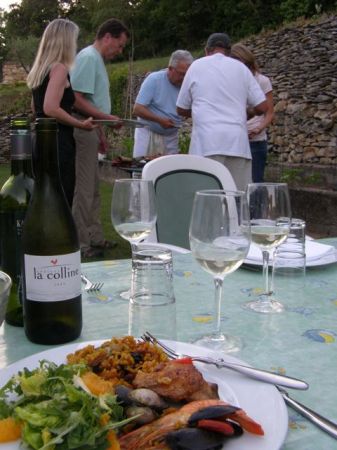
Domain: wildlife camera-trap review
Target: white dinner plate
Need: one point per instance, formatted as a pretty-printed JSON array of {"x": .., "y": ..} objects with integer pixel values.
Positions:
[
  {"x": 261, "y": 401},
  {"x": 329, "y": 258}
]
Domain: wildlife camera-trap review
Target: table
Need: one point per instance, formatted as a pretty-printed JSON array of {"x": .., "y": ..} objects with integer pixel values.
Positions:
[{"x": 302, "y": 341}]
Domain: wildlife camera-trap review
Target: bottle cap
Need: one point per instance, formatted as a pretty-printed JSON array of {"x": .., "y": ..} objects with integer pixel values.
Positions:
[{"x": 20, "y": 123}]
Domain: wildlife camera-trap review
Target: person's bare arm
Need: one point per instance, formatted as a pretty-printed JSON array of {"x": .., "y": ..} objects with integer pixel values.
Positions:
[
  {"x": 268, "y": 117},
  {"x": 144, "y": 113},
  {"x": 52, "y": 101},
  {"x": 184, "y": 112},
  {"x": 261, "y": 108}
]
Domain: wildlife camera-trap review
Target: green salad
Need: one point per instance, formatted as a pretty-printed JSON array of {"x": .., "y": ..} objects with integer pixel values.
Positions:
[{"x": 57, "y": 410}]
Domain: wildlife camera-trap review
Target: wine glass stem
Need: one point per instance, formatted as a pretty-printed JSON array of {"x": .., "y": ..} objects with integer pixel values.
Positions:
[
  {"x": 217, "y": 304},
  {"x": 133, "y": 248},
  {"x": 265, "y": 259}
]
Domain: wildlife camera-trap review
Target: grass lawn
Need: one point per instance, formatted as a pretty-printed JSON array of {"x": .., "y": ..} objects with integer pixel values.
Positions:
[{"x": 123, "y": 247}]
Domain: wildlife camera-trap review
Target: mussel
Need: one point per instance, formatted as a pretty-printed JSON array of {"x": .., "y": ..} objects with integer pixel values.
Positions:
[
  {"x": 141, "y": 414},
  {"x": 212, "y": 412},
  {"x": 147, "y": 397},
  {"x": 194, "y": 439},
  {"x": 141, "y": 402}
]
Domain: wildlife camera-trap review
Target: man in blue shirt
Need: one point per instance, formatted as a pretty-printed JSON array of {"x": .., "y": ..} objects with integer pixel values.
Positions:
[{"x": 156, "y": 105}]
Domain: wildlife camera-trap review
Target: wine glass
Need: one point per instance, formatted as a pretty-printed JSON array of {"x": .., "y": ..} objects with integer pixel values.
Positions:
[
  {"x": 133, "y": 212},
  {"x": 270, "y": 218},
  {"x": 219, "y": 240}
]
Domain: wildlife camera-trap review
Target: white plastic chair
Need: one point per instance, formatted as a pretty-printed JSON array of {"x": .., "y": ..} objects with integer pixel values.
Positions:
[{"x": 176, "y": 178}]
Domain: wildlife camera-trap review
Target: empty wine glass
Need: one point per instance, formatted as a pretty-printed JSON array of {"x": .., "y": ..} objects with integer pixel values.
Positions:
[
  {"x": 219, "y": 239},
  {"x": 270, "y": 217},
  {"x": 133, "y": 212}
]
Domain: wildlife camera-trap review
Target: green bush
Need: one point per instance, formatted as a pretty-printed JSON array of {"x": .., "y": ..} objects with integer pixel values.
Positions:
[
  {"x": 15, "y": 99},
  {"x": 118, "y": 76}
]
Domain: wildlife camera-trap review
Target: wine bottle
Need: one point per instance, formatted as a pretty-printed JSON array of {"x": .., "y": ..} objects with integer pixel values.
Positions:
[
  {"x": 14, "y": 198},
  {"x": 51, "y": 255}
]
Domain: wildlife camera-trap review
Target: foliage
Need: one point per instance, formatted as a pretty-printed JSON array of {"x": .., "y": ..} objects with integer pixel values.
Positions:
[
  {"x": 24, "y": 50},
  {"x": 291, "y": 9},
  {"x": 14, "y": 99},
  {"x": 159, "y": 27},
  {"x": 30, "y": 17},
  {"x": 298, "y": 177},
  {"x": 184, "y": 142},
  {"x": 118, "y": 84}
]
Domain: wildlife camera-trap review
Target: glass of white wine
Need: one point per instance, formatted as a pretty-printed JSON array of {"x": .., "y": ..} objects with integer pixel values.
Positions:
[
  {"x": 270, "y": 218},
  {"x": 219, "y": 239},
  {"x": 133, "y": 211}
]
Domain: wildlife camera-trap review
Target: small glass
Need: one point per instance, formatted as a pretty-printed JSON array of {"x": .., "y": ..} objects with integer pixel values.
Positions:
[
  {"x": 290, "y": 257},
  {"x": 152, "y": 301}
]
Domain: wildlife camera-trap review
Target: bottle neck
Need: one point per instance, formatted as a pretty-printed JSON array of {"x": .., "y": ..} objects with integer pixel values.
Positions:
[
  {"x": 46, "y": 162},
  {"x": 21, "y": 152}
]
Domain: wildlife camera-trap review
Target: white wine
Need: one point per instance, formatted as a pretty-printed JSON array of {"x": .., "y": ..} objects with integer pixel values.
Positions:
[
  {"x": 134, "y": 232},
  {"x": 218, "y": 260},
  {"x": 51, "y": 254},
  {"x": 268, "y": 237},
  {"x": 14, "y": 198}
]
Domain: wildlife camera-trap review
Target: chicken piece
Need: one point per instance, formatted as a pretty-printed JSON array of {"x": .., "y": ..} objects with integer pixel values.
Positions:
[{"x": 177, "y": 382}]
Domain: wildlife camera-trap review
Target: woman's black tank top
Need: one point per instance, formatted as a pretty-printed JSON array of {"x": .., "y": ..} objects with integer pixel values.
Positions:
[{"x": 39, "y": 93}]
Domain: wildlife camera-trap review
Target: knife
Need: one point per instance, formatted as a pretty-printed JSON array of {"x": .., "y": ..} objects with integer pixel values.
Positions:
[
  {"x": 321, "y": 422},
  {"x": 258, "y": 374}
]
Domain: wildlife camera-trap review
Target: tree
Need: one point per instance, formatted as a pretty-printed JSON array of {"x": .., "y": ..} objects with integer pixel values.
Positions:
[
  {"x": 23, "y": 51},
  {"x": 30, "y": 17}
]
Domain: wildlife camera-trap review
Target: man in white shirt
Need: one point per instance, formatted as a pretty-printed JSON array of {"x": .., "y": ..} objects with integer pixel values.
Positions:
[{"x": 216, "y": 92}]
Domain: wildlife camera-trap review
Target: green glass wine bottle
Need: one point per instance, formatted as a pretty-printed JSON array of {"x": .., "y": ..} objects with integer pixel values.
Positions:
[
  {"x": 51, "y": 255},
  {"x": 14, "y": 198}
]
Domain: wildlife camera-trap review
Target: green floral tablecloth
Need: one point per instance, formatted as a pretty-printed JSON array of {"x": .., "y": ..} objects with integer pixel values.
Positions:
[{"x": 301, "y": 341}]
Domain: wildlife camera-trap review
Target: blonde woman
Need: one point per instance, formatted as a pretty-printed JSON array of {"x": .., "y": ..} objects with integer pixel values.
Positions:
[
  {"x": 52, "y": 95},
  {"x": 257, "y": 125}
]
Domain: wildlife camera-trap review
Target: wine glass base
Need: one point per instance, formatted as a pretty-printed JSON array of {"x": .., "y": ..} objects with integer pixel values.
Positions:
[
  {"x": 222, "y": 342},
  {"x": 265, "y": 305}
]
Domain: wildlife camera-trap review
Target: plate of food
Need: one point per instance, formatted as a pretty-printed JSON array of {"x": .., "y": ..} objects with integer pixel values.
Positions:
[{"x": 143, "y": 397}]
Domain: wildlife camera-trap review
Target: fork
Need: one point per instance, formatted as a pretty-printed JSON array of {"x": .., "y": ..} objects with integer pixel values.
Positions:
[
  {"x": 258, "y": 374},
  {"x": 89, "y": 286}
]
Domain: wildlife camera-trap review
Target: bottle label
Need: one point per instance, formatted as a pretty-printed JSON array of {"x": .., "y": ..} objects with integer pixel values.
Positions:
[{"x": 53, "y": 278}]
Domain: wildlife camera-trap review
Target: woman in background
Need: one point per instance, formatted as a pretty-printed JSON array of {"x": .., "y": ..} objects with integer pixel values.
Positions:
[
  {"x": 52, "y": 95},
  {"x": 257, "y": 125}
]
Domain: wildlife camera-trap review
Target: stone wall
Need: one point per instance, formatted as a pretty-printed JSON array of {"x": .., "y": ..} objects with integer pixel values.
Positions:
[
  {"x": 301, "y": 60},
  {"x": 12, "y": 73}
]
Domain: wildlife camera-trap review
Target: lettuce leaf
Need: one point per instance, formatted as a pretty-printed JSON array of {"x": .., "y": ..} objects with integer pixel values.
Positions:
[{"x": 56, "y": 412}]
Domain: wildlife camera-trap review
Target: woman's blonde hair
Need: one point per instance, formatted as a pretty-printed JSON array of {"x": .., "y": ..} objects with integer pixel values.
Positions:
[
  {"x": 58, "y": 45},
  {"x": 243, "y": 54}
]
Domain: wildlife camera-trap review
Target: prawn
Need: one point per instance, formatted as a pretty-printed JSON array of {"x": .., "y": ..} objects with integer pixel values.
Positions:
[{"x": 152, "y": 436}]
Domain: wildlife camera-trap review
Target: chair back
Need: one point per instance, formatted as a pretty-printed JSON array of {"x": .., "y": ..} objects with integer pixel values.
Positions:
[{"x": 176, "y": 178}]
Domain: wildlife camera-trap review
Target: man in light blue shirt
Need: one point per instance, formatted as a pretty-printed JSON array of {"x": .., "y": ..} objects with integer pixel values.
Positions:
[
  {"x": 90, "y": 83},
  {"x": 156, "y": 106}
]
